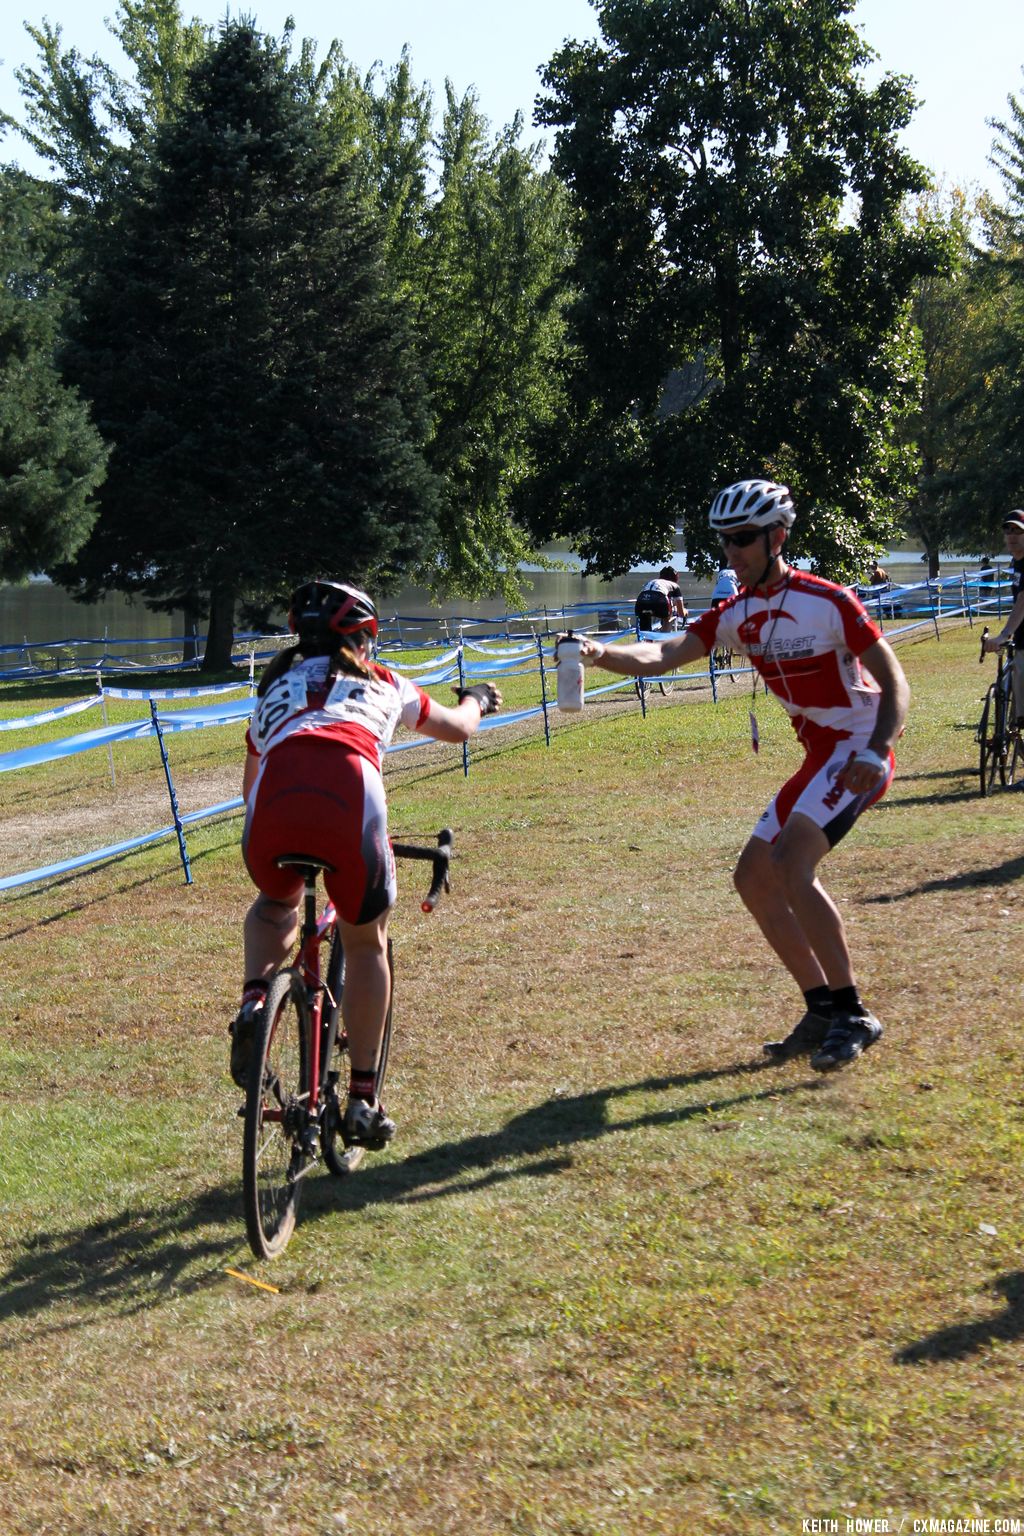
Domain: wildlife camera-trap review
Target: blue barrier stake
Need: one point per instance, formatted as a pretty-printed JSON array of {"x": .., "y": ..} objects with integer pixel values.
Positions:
[
  {"x": 641, "y": 683},
  {"x": 465, "y": 744},
  {"x": 543, "y": 690},
  {"x": 179, "y": 829}
]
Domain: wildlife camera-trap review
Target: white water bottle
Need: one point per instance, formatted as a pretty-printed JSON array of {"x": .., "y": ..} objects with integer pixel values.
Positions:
[{"x": 570, "y": 673}]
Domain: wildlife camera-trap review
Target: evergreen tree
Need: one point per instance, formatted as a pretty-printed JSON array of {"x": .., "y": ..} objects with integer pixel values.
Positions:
[
  {"x": 742, "y": 277},
  {"x": 258, "y": 387},
  {"x": 51, "y": 457}
]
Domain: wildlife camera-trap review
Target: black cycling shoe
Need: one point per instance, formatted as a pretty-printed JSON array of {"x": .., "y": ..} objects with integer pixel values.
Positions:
[
  {"x": 849, "y": 1036},
  {"x": 241, "y": 1029},
  {"x": 366, "y": 1125},
  {"x": 806, "y": 1037}
]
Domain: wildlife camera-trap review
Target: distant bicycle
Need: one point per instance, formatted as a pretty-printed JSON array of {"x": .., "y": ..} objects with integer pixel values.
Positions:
[
  {"x": 1000, "y": 742},
  {"x": 723, "y": 660},
  {"x": 292, "y": 1110}
]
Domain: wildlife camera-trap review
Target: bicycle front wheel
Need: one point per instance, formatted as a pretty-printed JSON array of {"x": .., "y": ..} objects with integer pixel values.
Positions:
[
  {"x": 342, "y": 1160},
  {"x": 276, "y": 1149},
  {"x": 991, "y": 742}
]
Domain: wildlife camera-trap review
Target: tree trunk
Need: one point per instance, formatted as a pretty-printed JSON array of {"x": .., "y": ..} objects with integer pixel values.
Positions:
[{"x": 221, "y": 634}]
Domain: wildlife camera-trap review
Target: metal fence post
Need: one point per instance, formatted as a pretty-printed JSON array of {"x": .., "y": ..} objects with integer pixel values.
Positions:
[
  {"x": 543, "y": 689},
  {"x": 179, "y": 829},
  {"x": 465, "y": 744}
]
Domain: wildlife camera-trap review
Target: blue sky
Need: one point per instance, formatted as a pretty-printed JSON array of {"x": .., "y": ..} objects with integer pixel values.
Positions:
[{"x": 965, "y": 58}]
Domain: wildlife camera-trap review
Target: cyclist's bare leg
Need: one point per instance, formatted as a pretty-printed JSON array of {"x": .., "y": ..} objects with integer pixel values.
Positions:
[
  {"x": 271, "y": 928},
  {"x": 778, "y": 885},
  {"x": 364, "y": 1002}
]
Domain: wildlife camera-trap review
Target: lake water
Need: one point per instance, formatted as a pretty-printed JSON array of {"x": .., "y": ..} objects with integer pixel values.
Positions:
[{"x": 39, "y": 612}]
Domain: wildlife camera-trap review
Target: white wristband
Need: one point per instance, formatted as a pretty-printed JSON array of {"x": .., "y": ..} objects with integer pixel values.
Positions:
[{"x": 871, "y": 759}]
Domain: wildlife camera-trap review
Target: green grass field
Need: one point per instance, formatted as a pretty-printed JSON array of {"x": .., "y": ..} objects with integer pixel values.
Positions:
[{"x": 614, "y": 1275}]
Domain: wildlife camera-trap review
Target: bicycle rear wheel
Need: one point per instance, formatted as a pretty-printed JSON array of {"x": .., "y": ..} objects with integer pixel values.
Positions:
[
  {"x": 276, "y": 1149},
  {"x": 991, "y": 742},
  {"x": 342, "y": 1160}
]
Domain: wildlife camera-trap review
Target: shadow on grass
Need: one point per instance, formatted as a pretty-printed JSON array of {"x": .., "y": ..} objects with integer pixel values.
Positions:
[
  {"x": 173, "y": 871},
  {"x": 965, "y": 880},
  {"x": 518, "y": 1149},
  {"x": 963, "y": 1339},
  {"x": 141, "y": 1258},
  {"x": 127, "y": 1263}
]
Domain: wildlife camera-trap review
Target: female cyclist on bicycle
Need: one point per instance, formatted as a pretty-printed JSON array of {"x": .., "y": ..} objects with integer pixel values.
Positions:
[{"x": 325, "y": 714}]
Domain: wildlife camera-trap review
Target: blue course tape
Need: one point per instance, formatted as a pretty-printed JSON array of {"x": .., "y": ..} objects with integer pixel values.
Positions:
[
  {"x": 173, "y": 693},
  {"x": 50, "y": 714},
  {"x": 48, "y": 871}
]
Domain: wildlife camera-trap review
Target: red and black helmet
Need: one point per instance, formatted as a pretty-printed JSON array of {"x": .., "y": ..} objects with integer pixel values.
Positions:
[{"x": 320, "y": 611}]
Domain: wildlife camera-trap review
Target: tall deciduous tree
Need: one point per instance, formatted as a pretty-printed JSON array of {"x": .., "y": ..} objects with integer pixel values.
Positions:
[
  {"x": 991, "y": 481},
  {"x": 488, "y": 283},
  {"x": 956, "y": 322},
  {"x": 257, "y": 384},
  {"x": 742, "y": 275},
  {"x": 51, "y": 457}
]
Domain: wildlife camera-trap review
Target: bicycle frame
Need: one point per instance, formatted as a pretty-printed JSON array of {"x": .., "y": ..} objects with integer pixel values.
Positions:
[
  {"x": 292, "y": 1113},
  {"x": 317, "y": 928}
]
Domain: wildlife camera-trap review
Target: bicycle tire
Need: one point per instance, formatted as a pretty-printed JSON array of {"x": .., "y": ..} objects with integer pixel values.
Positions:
[
  {"x": 342, "y": 1160},
  {"x": 1014, "y": 759},
  {"x": 988, "y": 741},
  {"x": 276, "y": 1152}
]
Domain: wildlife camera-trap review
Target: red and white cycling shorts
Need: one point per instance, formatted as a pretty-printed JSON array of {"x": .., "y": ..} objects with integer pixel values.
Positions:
[
  {"x": 318, "y": 797},
  {"x": 816, "y": 789}
]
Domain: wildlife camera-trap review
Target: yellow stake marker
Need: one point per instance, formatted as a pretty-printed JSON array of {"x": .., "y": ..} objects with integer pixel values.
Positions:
[{"x": 260, "y": 1284}]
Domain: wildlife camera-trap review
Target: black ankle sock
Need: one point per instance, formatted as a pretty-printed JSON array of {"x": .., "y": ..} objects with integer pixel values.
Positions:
[
  {"x": 847, "y": 1000},
  {"x": 254, "y": 989},
  {"x": 363, "y": 1085},
  {"x": 819, "y": 1000}
]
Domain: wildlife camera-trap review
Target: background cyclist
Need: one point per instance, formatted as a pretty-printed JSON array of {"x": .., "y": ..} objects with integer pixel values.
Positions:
[
  {"x": 808, "y": 639},
  {"x": 1013, "y": 629},
  {"x": 325, "y": 713},
  {"x": 661, "y": 600},
  {"x": 726, "y": 585}
]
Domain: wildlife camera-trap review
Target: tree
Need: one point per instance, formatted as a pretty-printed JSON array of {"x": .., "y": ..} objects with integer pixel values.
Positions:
[
  {"x": 84, "y": 119},
  {"x": 742, "y": 277},
  {"x": 51, "y": 457},
  {"x": 489, "y": 285},
  {"x": 991, "y": 479},
  {"x": 476, "y": 239},
  {"x": 257, "y": 384},
  {"x": 955, "y": 319}
]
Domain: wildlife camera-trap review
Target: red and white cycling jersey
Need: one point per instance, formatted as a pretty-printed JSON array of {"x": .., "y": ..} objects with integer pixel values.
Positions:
[
  {"x": 805, "y": 637},
  {"x": 359, "y": 712}
]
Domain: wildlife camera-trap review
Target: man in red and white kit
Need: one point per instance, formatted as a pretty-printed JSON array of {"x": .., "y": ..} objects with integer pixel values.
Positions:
[{"x": 816, "y": 649}]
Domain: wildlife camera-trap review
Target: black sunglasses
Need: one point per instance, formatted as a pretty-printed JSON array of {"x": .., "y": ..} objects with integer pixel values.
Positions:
[{"x": 742, "y": 538}]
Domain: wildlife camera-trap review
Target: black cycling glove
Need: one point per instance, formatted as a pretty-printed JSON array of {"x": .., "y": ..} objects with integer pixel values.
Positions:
[{"x": 485, "y": 694}]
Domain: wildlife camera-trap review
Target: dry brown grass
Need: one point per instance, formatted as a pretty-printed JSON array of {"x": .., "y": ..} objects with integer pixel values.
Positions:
[{"x": 613, "y": 1277}]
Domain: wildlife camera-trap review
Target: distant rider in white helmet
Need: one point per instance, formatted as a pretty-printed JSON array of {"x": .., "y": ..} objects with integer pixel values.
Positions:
[{"x": 820, "y": 654}]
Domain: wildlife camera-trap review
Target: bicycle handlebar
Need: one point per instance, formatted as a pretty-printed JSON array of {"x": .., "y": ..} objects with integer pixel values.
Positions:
[{"x": 440, "y": 857}]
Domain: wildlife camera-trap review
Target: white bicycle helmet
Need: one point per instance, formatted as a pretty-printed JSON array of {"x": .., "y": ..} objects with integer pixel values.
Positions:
[{"x": 752, "y": 504}]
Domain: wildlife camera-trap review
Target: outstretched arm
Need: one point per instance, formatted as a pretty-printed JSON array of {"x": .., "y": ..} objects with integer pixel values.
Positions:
[
  {"x": 459, "y": 723},
  {"x": 647, "y": 658},
  {"x": 1014, "y": 619}
]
